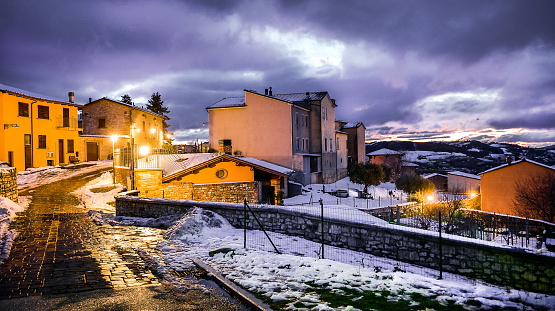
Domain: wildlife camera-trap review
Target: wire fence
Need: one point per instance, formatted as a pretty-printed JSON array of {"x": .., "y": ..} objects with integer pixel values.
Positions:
[{"x": 313, "y": 233}]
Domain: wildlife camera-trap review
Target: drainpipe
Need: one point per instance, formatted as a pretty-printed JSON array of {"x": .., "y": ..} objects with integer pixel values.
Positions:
[{"x": 32, "y": 135}]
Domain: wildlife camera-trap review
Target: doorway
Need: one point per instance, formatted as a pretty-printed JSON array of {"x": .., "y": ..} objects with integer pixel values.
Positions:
[
  {"x": 28, "y": 151},
  {"x": 61, "y": 151},
  {"x": 92, "y": 151}
]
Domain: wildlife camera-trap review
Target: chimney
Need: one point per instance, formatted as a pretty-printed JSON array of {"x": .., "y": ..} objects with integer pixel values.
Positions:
[
  {"x": 90, "y": 99},
  {"x": 266, "y": 92},
  {"x": 270, "y": 91},
  {"x": 71, "y": 97}
]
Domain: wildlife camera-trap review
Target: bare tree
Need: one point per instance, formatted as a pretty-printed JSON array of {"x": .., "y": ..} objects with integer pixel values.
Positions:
[{"x": 535, "y": 197}]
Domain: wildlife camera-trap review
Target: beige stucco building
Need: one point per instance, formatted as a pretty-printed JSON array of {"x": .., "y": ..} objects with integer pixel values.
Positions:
[
  {"x": 460, "y": 182},
  {"x": 104, "y": 118},
  {"x": 295, "y": 130}
]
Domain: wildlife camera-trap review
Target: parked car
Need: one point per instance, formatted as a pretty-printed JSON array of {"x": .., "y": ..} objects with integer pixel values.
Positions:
[{"x": 341, "y": 193}]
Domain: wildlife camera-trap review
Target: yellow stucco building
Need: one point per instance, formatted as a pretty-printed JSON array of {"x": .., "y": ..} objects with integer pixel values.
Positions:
[
  {"x": 38, "y": 130},
  {"x": 497, "y": 184}
]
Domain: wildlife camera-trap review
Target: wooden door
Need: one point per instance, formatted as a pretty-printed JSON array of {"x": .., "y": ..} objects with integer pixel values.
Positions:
[
  {"x": 61, "y": 151},
  {"x": 28, "y": 152},
  {"x": 92, "y": 151}
]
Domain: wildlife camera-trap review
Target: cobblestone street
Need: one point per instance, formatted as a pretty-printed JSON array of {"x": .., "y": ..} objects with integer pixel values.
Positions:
[{"x": 60, "y": 250}]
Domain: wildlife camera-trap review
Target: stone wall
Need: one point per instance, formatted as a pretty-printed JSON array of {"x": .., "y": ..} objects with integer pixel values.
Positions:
[
  {"x": 226, "y": 192},
  {"x": 8, "y": 183},
  {"x": 490, "y": 262}
]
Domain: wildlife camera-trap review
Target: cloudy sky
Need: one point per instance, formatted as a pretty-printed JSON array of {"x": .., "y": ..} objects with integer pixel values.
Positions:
[{"x": 417, "y": 70}]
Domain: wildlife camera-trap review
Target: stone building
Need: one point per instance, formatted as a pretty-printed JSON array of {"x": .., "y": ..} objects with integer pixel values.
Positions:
[
  {"x": 105, "y": 118},
  {"x": 210, "y": 177}
]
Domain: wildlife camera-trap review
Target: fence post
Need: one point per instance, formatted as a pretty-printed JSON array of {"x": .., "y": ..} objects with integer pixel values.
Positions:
[
  {"x": 322, "y": 224},
  {"x": 440, "y": 250},
  {"x": 245, "y": 224},
  {"x": 398, "y": 214}
]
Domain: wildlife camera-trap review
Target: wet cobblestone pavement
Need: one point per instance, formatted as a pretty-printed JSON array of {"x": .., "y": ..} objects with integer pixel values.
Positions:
[{"x": 60, "y": 250}]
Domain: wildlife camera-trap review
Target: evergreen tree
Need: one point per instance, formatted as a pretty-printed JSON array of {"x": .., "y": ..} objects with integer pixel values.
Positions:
[
  {"x": 156, "y": 105},
  {"x": 126, "y": 99}
]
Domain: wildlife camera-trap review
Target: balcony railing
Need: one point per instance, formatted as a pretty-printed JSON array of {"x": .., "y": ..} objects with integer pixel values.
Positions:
[{"x": 70, "y": 123}]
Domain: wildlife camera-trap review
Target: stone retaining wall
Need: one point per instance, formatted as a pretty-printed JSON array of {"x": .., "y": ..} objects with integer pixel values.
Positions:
[
  {"x": 496, "y": 264},
  {"x": 8, "y": 183}
]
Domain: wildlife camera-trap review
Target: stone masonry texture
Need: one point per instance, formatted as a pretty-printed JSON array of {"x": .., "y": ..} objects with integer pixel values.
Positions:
[{"x": 498, "y": 265}]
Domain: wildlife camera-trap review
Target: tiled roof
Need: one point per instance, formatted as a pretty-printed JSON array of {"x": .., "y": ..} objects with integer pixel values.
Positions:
[
  {"x": 15, "y": 90},
  {"x": 124, "y": 104}
]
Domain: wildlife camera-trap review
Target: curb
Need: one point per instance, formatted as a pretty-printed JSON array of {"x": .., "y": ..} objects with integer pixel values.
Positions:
[{"x": 245, "y": 297}]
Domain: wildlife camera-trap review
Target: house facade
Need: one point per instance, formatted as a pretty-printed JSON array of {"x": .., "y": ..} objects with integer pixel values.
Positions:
[
  {"x": 389, "y": 158},
  {"x": 356, "y": 141},
  {"x": 460, "y": 182},
  {"x": 210, "y": 177},
  {"x": 105, "y": 118},
  {"x": 38, "y": 130},
  {"x": 497, "y": 184},
  {"x": 295, "y": 130}
]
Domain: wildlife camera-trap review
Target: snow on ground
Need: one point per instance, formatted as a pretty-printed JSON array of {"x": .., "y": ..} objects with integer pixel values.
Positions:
[
  {"x": 33, "y": 177},
  {"x": 313, "y": 193},
  {"x": 8, "y": 210},
  {"x": 99, "y": 193},
  {"x": 427, "y": 156},
  {"x": 294, "y": 278}
]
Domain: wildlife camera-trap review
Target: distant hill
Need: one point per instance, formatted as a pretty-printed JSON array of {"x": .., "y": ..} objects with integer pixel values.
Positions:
[{"x": 467, "y": 156}]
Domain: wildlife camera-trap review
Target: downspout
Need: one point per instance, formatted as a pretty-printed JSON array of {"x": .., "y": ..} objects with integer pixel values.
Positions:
[{"x": 32, "y": 135}]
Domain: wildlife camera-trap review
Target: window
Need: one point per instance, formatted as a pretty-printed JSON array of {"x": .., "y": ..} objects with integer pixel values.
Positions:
[
  {"x": 101, "y": 123},
  {"x": 323, "y": 113},
  {"x": 43, "y": 112},
  {"x": 10, "y": 158},
  {"x": 303, "y": 145},
  {"x": 70, "y": 148},
  {"x": 296, "y": 118},
  {"x": 325, "y": 144},
  {"x": 331, "y": 144},
  {"x": 144, "y": 126},
  {"x": 306, "y": 120},
  {"x": 297, "y": 143},
  {"x": 337, "y": 144},
  {"x": 42, "y": 141},
  {"x": 23, "y": 110},
  {"x": 221, "y": 173},
  {"x": 65, "y": 118}
]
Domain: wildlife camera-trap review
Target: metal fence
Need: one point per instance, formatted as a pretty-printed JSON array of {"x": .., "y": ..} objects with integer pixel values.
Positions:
[{"x": 452, "y": 219}]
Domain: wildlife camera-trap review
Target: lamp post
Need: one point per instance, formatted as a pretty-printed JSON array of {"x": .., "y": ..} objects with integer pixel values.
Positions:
[{"x": 114, "y": 138}]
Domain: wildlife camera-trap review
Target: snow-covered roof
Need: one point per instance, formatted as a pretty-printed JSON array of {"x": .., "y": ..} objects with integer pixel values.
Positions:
[
  {"x": 352, "y": 125},
  {"x": 516, "y": 162},
  {"x": 292, "y": 98},
  {"x": 462, "y": 174},
  {"x": 229, "y": 102},
  {"x": 409, "y": 164},
  {"x": 383, "y": 151},
  {"x": 124, "y": 104},
  {"x": 11, "y": 89},
  {"x": 340, "y": 132},
  {"x": 433, "y": 175},
  {"x": 175, "y": 165}
]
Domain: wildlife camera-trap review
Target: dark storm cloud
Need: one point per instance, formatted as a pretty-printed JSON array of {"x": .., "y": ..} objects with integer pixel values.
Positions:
[{"x": 381, "y": 60}]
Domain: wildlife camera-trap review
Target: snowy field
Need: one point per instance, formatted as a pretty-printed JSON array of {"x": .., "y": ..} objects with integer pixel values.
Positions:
[{"x": 305, "y": 282}]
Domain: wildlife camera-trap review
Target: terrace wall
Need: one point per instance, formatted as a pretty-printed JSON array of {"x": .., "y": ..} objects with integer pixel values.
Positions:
[{"x": 495, "y": 264}]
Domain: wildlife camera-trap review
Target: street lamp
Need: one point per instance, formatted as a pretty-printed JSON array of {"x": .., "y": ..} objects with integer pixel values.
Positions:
[
  {"x": 144, "y": 150},
  {"x": 114, "y": 138}
]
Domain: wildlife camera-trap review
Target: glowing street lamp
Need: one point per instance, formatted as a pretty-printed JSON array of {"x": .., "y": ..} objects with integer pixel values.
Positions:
[{"x": 144, "y": 150}]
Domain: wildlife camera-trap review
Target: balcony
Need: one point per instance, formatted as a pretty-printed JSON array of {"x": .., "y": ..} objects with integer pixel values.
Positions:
[{"x": 68, "y": 123}]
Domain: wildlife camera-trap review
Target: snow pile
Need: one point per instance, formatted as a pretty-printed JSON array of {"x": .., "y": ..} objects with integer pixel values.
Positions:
[
  {"x": 33, "y": 177},
  {"x": 8, "y": 210},
  {"x": 98, "y": 193},
  {"x": 101, "y": 217},
  {"x": 294, "y": 279}
]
